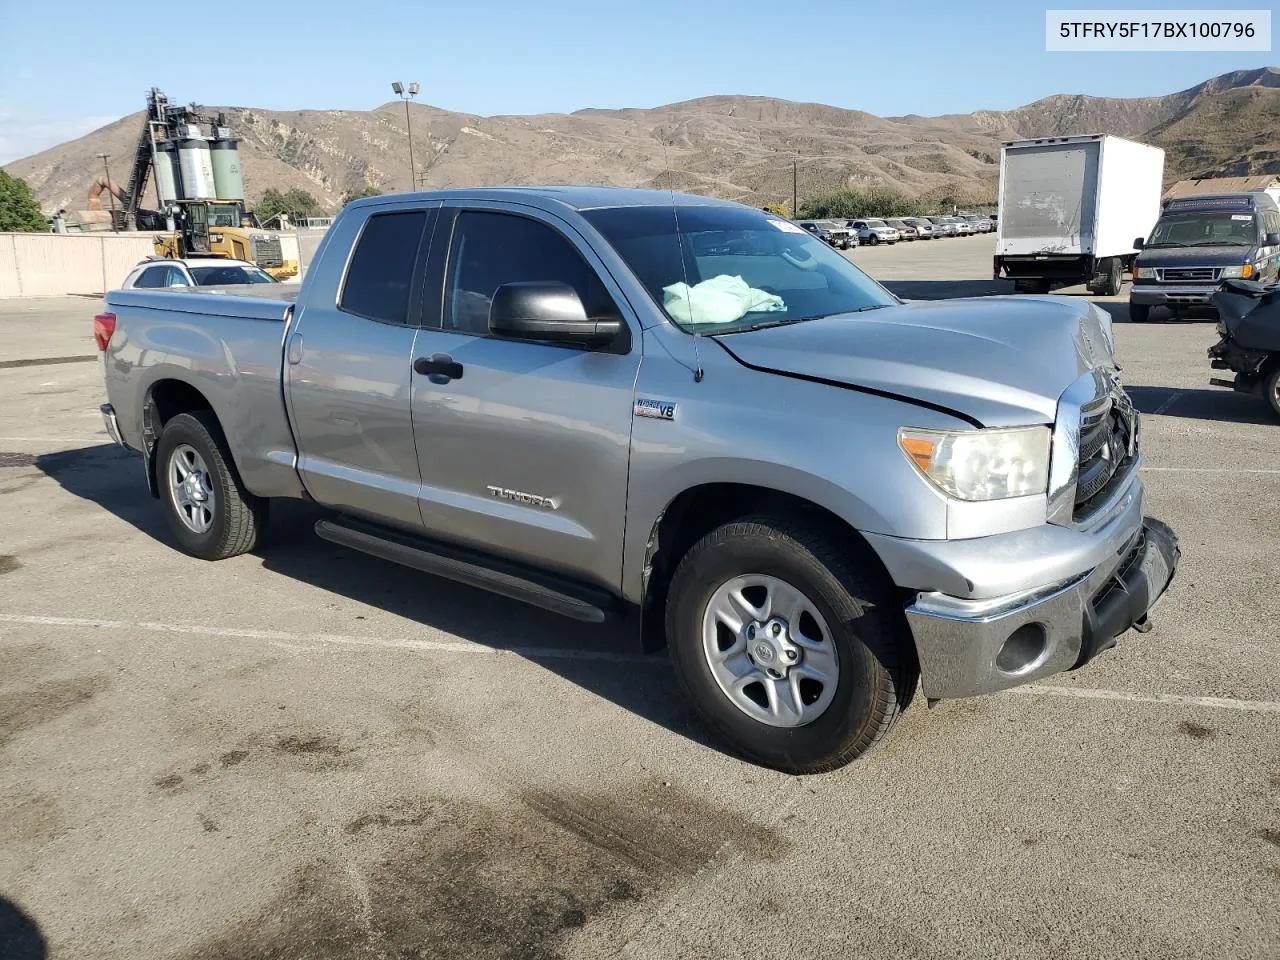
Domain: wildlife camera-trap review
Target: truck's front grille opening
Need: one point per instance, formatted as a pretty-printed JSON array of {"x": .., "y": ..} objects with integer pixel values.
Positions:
[
  {"x": 1187, "y": 274},
  {"x": 266, "y": 252},
  {"x": 1107, "y": 449}
]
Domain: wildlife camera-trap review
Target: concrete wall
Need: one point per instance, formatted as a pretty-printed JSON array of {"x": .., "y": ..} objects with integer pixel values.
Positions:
[{"x": 54, "y": 265}]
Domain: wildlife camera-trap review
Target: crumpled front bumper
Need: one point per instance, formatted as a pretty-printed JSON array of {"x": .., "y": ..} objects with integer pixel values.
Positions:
[{"x": 969, "y": 647}]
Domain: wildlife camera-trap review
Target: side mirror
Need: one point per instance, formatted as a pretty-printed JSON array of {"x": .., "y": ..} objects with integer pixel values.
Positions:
[
  {"x": 1139, "y": 243},
  {"x": 1271, "y": 239},
  {"x": 549, "y": 311}
]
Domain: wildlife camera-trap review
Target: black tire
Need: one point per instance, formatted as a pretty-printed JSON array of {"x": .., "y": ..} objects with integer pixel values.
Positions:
[
  {"x": 1139, "y": 312},
  {"x": 877, "y": 673},
  {"x": 1111, "y": 284},
  {"x": 873, "y": 240},
  {"x": 238, "y": 517},
  {"x": 1271, "y": 388}
]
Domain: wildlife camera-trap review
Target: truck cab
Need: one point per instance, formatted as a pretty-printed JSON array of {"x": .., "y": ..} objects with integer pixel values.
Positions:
[{"x": 1200, "y": 241}]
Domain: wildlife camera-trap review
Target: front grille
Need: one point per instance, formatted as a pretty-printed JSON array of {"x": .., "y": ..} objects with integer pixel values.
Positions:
[
  {"x": 1188, "y": 274},
  {"x": 1108, "y": 447},
  {"x": 266, "y": 252}
]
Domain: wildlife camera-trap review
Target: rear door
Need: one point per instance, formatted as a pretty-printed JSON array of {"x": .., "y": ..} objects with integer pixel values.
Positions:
[
  {"x": 348, "y": 364},
  {"x": 524, "y": 452}
]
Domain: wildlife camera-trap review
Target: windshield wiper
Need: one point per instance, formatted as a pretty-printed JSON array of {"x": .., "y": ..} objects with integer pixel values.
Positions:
[
  {"x": 1152, "y": 246},
  {"x": 1225, "y": 243}
]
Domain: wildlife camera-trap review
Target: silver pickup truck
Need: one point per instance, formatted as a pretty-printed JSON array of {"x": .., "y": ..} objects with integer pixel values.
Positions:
[{"x": 614, "y": 402}]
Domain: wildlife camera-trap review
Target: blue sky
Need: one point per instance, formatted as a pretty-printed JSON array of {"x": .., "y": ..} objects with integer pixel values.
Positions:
[{"x": 69, "y": 66}]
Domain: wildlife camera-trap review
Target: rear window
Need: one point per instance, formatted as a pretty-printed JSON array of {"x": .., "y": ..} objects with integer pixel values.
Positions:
[
  {"x": 381, "y": 270},
  {"x": 232, "y": 275}
]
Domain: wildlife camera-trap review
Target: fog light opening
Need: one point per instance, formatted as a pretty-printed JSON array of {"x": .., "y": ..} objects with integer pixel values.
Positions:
[{"x": 1024, "y": 650}]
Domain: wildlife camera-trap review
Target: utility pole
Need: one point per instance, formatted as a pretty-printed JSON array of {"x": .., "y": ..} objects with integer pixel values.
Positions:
[
  {"x": 399, "y": 90},
  {"x": 110, "y": 193},
  {"x": 795, "y": 189}
]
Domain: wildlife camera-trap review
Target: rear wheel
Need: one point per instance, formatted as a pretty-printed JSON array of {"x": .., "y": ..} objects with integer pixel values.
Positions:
[
  {"x": 210, "y": 513},
  {"x": 789, "y": 648},
  {"x": 1139, "y": 312},
  {"x": 1112, "y": 282}
]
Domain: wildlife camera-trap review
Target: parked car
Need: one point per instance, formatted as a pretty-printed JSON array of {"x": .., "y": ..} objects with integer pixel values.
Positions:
[
  {"x": 963, "y": 227},
  {"x": 942, "y": 226},
  {"x": 1249, "y": 344},
  {"x": 195, "y": 272},
  {"x": 505, "y": 387},
  {"x": 924, "y": 229},
  {"x": 841, "y": 236},
  {"x": 874, "y": 231},
  {"x": 979, "y": 223},
  {"x": 818, "y": 230},
  {"x": 905, "y": 230}
]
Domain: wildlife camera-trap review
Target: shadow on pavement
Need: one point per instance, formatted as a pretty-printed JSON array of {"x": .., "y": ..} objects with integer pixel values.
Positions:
[
  {"x": 1201, "y": 404},
  {"x": 20, "y": 936},
  {"x": 947, "y": 289},
  {"x": 606, "y": 659}
]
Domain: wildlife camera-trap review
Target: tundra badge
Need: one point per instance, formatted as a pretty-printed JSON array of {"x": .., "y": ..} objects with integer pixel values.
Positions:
[
  {"x": 519, "y": 496},
  {"x": 655, "y": 409}
]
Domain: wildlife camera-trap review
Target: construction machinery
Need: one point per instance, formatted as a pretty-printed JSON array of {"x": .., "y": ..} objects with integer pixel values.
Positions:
[{"x": 199, "y": 190}]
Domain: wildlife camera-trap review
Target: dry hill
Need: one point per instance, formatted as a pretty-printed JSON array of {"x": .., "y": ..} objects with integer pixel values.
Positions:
[{"x": 731, "y": 146}]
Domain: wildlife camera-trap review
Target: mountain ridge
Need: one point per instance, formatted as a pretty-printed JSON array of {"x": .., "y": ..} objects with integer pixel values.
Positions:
[{"x": 735, "y": 146}]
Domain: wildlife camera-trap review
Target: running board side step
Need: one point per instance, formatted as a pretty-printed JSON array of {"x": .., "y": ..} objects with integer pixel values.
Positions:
[{"x": 453, "y": 563}]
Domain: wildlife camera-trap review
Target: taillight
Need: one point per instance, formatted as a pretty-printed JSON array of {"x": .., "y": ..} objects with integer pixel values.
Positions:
[{"x": 104, "y": 325}]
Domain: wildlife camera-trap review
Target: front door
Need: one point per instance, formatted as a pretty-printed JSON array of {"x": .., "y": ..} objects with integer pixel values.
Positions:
[
  {"x": 348, "y": 361},
  {"x": 523, "y": 446}
]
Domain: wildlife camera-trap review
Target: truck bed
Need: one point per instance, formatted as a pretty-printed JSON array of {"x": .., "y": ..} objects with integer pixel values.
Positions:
[{"x": 228, "y": 343}]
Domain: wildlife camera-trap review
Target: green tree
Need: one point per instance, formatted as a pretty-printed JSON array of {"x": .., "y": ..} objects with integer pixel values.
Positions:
[
  {"x": 295, "y": 201},
  {"x": 365, "y": 191},
  {"x": 875, "y": 202},
  {"x": 19, "y": 209}
]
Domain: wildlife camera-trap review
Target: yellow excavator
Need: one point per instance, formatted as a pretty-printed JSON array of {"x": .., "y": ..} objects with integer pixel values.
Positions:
[{"x": 199, "y": 187}]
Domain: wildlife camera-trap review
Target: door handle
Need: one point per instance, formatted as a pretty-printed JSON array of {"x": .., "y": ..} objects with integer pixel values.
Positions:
[
  {"x": 295, "y": 349},
  {"x": 438, "y": 368}
]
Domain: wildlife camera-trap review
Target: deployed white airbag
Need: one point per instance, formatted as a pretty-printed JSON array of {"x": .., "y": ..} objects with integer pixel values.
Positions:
[{"x": 721, "y": 299}]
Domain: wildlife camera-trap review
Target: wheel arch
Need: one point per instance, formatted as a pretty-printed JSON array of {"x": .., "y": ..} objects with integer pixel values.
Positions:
[
  {"x": 163, "y": 400},
  {"x": 699, "y": 509}
]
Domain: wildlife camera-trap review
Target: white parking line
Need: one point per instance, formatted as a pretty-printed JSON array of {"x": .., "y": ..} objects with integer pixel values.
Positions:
[
  {"x": 295, "y": 640},
  {"x": 96, "y": 439},
  {"x": 1173, "y": 398},
  {"x": 1207, "y": 470},
  {"x": 283, "y": 637},
  {"x": 1169, "y": 699}
]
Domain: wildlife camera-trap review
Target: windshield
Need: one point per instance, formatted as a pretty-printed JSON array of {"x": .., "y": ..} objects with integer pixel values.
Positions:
[
  {"x": 224, "y": 215},
  {"x": 221, "y": 276},
  {"x": 1201, "y": 228},
  {"x": 725, "y": 269},
  {"x": 877, "y": 223}
]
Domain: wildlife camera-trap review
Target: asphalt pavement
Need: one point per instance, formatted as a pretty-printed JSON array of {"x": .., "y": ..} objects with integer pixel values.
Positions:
[{"x": 305, "y": 752}]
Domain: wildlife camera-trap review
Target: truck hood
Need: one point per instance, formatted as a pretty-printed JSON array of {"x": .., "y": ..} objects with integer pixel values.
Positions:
[
  {"x": 1195, "y": 256},
  {"x": 995, "y": 361}
]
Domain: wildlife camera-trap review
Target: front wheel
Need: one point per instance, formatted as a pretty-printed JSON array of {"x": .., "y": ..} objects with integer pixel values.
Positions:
[
  {"x": 791, "y": 648},
  {"x": 1272, "y": 387},
  {"x": 873, "y": 240},
  {"x": 210, "y": 513},
  {"x": 1139, "y": 312}
]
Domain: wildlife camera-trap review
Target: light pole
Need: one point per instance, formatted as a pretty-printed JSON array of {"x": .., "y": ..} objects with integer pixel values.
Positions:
[
  {"x": 110, "y": 194},
  {"x": 406, "y": 95}
]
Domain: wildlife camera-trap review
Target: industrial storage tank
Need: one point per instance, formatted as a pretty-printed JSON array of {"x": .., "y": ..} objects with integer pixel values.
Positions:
[
  {"x": 227, "y": 177},
  {"x": 197, "y": 170},
  {"x": 168, "y": 174}
]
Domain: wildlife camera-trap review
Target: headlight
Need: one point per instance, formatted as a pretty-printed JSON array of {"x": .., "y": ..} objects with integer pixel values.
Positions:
[
  {"x": 1242, "y": 272},
  {"x": 981, "y": 464},
  {"x": 1144, "y": 273}
]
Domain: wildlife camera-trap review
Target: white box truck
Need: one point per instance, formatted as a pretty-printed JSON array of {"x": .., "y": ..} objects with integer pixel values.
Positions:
[{"x": 1070, "y": 208}]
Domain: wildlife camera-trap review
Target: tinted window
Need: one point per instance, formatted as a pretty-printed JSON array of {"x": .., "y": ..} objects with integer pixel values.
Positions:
[
  {"x": 381, "y": 271},
  {"x": 152, "y": 277},
  {"x": 490, "y": 249},
  {"x": 174, "y": 277}
]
